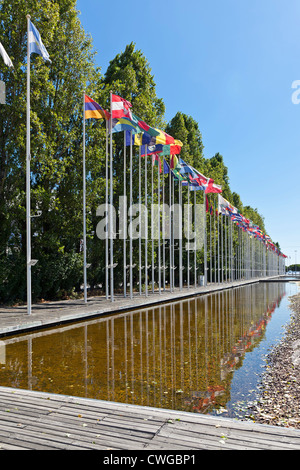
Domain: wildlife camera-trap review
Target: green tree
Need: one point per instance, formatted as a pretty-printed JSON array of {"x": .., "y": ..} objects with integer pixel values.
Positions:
[{"x": 56, "y": 146}]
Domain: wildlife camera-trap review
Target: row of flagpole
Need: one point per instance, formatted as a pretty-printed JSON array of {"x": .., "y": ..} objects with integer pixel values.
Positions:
[
  {"x": 224, "y": 271},
  {"x": 120, "y": 107}
]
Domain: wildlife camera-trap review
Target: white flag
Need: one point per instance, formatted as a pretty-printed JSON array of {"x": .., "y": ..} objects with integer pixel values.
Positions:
[{"x": 6, "y": 59}]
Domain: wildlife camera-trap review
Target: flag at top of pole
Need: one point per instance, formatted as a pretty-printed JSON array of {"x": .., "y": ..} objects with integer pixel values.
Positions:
[
  {"x": 120, "y": 107},
  {"x": 5, "y": 57},
  {"x": 35, "y": 42}
]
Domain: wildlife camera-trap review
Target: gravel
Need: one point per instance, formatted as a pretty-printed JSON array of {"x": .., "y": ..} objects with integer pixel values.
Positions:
[{"x": 279, "y": 401}]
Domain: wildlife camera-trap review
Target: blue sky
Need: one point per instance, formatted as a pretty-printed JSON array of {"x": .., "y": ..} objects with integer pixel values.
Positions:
[{"x": 229, "y": 64}]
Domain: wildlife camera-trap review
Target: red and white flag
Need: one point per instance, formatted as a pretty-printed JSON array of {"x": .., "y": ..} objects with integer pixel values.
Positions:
[{"x": 120, "y": 107}]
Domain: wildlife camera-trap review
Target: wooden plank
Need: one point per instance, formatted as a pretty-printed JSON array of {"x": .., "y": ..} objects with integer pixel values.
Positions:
[{"x": 37, "y": 420}]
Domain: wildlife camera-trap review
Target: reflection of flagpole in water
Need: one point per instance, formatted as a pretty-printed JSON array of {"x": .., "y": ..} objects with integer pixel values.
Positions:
[
  {"x": 125, "y": 359},
  {"x": 29, "y": 359}
]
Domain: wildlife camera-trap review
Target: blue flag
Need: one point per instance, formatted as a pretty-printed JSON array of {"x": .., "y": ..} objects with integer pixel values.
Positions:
[
  {"x": 166, "y": 167},
  {"x": 35, "y": 43}
]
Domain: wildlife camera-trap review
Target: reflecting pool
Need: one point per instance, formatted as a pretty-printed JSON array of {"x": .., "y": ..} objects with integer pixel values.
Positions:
[{"x": 205, "y": 354}]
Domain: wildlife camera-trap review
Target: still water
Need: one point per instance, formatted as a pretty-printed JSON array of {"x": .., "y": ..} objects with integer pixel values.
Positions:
[{"x": 202, "y": 355}]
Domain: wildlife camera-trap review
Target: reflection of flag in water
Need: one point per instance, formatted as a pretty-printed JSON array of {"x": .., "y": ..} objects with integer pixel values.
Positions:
[{"x": 94, "y": 110}]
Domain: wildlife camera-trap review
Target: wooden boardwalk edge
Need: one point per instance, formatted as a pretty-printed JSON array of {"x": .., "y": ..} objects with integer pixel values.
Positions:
[{"x": 45, "y": 421}]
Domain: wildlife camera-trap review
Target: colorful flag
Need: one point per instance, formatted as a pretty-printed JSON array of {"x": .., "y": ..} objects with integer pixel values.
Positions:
[
  {"x": 5, "y": 57},
  {"x": 120, "y": 107},
  {"x": 166, "y": 167},
  {"x": 156, "y": 160},
  {"x": 138, "y": 139},
  {"x": 164, "y": 138},
  {"x": 35, "y": 43},
  {"x": 143, "y": 126},
  {"x": 225, "y": 207},
  {"x": 94, "y": 110},
  {"x": 124, "y": 124},
  {"x": 186, "y": 169}
]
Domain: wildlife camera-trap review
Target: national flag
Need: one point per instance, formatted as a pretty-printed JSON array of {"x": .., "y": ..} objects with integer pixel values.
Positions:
[
  {"x": 171, "y": 149},
  {"x": 186, "y": 169},
  {"x": 94, "y": 110},
  {"x": 144, "y": 127},
  {"x": 35, "y": 43},
  {"x": 164, "y": 138},
  {"x": 120, "y": 107},
  {"x": 5, "y": 57},
  {"x": 208, "y": 184},
  {"x": 224, "y": 206},
  {"x": 173, "y": 162},
  {"x": 166, "y": 167},
  {"x": 125, "y": 124},
  {"x": 156, "y": 160},
  {"x": 137, "y": 138}
]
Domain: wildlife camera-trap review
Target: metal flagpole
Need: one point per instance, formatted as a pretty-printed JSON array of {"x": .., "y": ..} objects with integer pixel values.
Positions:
[
  {"x": 215, "y": 246},
  {"x": 218, "y": 247},
  {"x": 222, "y": 247},
  {"x": 140, "y": 229},
  {"x": 173, "y": 232},
  {"x": 170, "y": 226},
  {"x": 124, "y": 222},
  {"x": 111, "y": 210},
  {"x": 130, "y": 219},
  {"x": 28, "y": 215},
  {"x": 180, "y": 235},
  {"x": 84, "y": 209},
  {"x": 163, "y": 227},
  {"x": 152, "y": 225},
  {"x": 195, "y": 249},
  {"x": 188, "y": 243},
  {"x": 210, "y": 249},
  {"x": 205, "y": 242},
  {"x": 146, "y": 224},
  {"x": 106, "y": 209},
  {"x": 158, "y": 222}
]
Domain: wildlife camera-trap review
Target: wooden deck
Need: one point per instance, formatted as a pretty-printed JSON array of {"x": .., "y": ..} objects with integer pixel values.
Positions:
[{"x": 42, "y": 421}]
